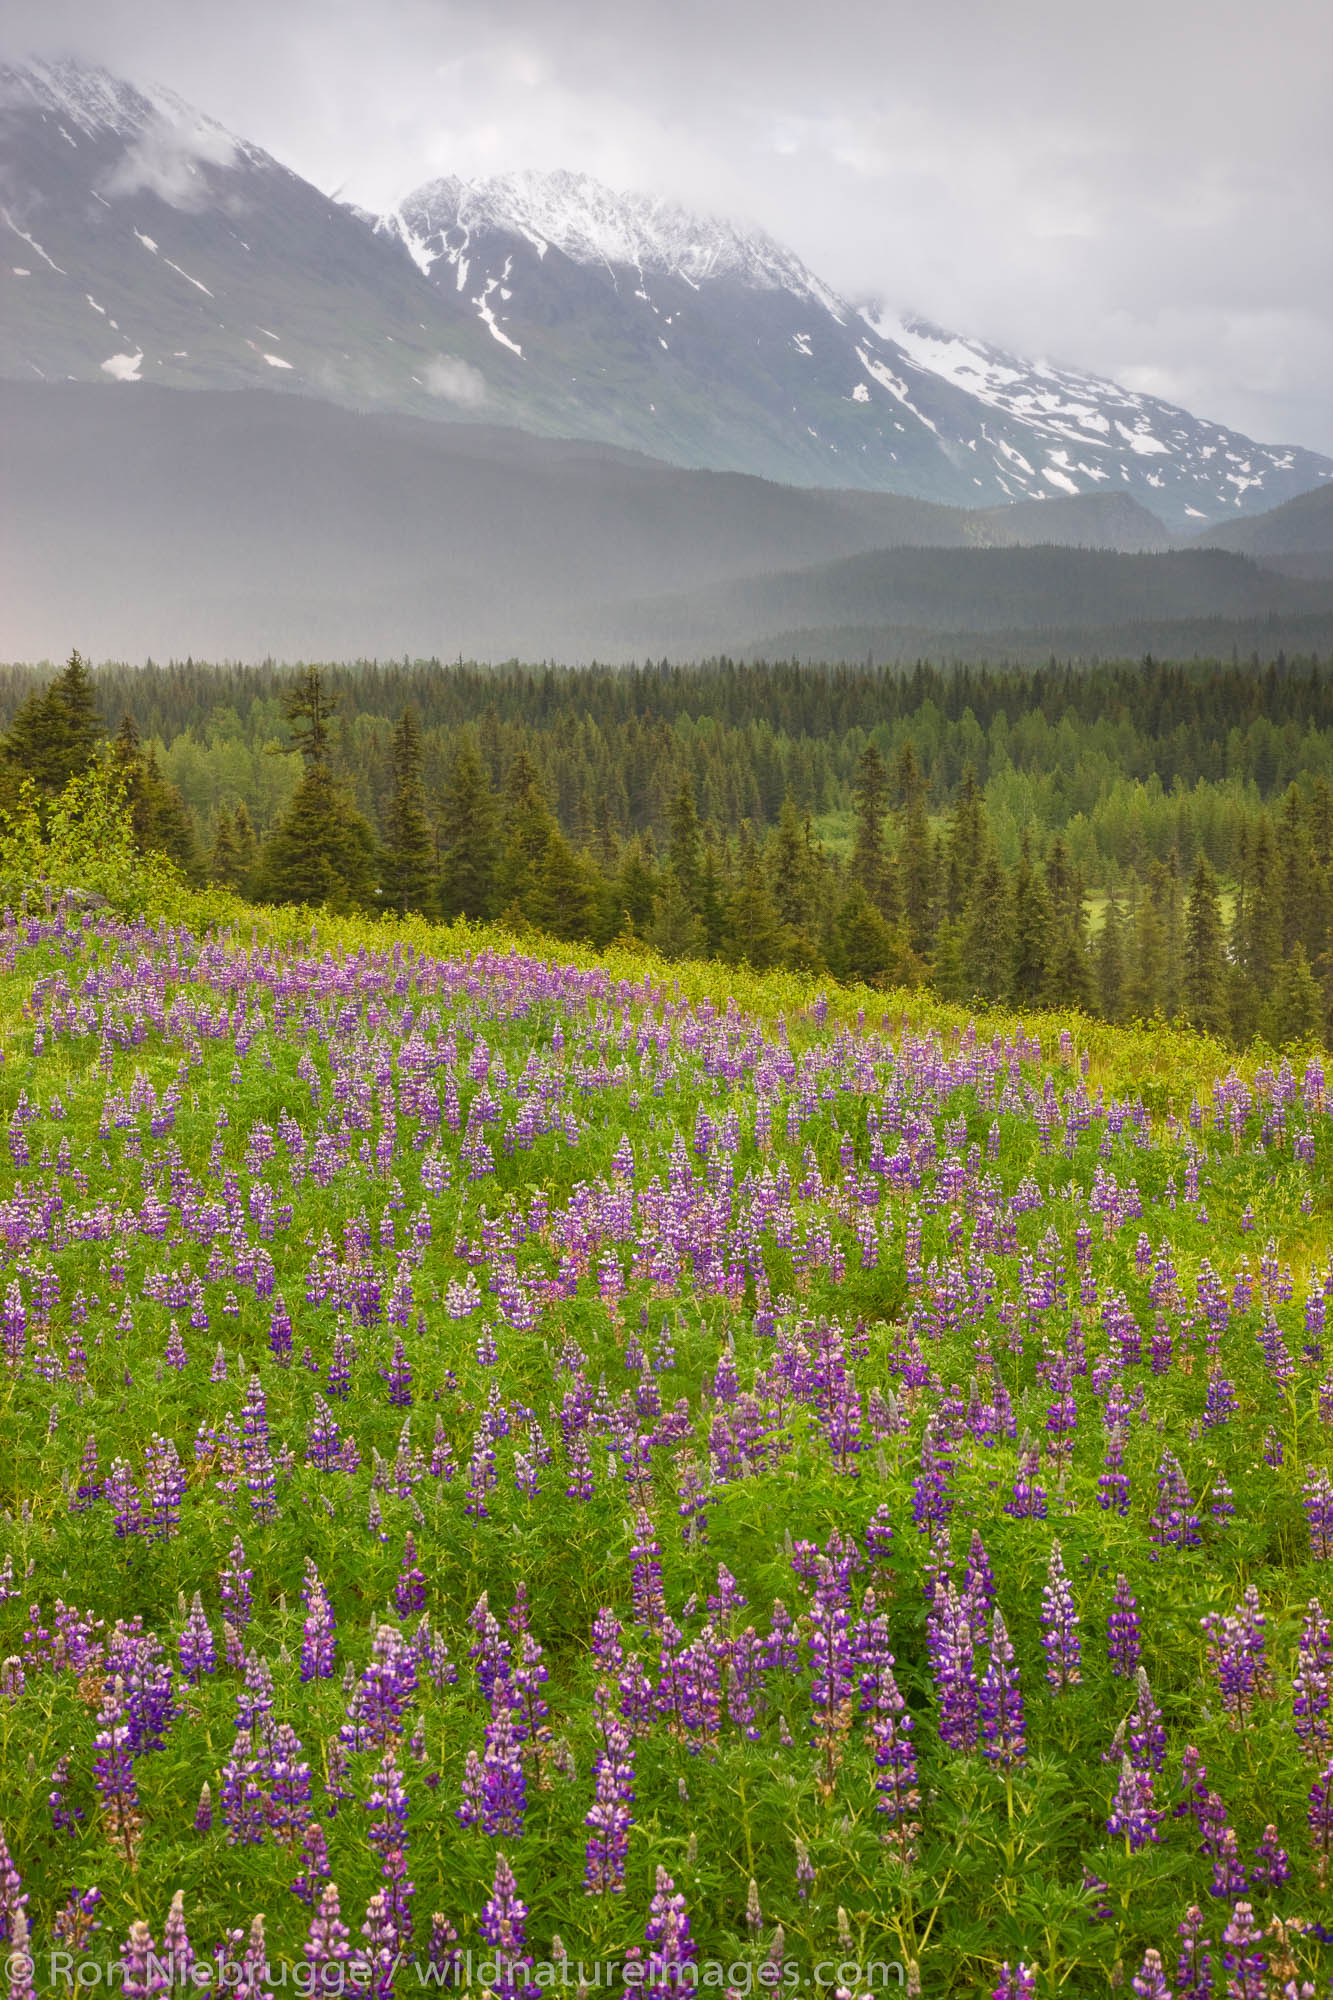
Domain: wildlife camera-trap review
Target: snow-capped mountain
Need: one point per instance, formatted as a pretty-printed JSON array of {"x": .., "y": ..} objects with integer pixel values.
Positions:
[
  {"x": 140, "y": 241},
  {"x": 1087, "y": 431},
  {"x": 709, "y": 343}
]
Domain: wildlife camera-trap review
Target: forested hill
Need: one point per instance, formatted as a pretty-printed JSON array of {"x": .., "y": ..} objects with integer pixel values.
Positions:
[{"x": 1132, "y": 841}]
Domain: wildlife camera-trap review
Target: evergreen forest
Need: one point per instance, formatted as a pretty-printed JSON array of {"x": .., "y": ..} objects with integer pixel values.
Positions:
[{"x": 1135, "y": 841}]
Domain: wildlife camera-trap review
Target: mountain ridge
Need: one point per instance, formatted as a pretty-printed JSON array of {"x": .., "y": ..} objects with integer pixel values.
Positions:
[{"x": 147, "y": 242}]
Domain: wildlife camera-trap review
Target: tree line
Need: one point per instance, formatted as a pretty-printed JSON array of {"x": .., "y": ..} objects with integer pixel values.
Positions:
[{"x": 916, "y": 895}]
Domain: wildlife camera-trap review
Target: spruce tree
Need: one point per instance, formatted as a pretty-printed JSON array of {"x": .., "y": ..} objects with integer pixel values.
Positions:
[
  {"x": 55, "y": 733},
  {"x": 918, "y": 874},
  {"x": 674, "y": 929},
  {"x": 635, "y": 889},
  {"x": 966, "y": 841},
  {"x": 684, "y": 850},
  {"x": 1203, "y": 976},
  {"x": 223, "y": 859},
  {"x": 321, "y": 851},
  {"x": 1295, "y": 1012},
  {"x": 754, "y": 932},
  {"x": 789, "y": 869},
  {"x": 861, "y": 946},
  {"x": 870, "y": 865},
  {"x": 410, "y": 881},
  {"x": 159, "y": 817},
  {"x": 1034, "y": 934},
  {"x": 309, "y": 712},
  {"x": 528, "y": 827},
  {"x": 247, "y": 847},
  {"x": 1145, "y": 986},
  {"x": 1109, "y": 966},
  {"x": 987, "y": 939},
  {"x": 469, "y": 837},
  {"x": 712, "y": 910},
  {"x": 1166, "y": 883}
]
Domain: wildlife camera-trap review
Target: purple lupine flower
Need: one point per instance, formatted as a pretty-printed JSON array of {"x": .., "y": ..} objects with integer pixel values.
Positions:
[
  {"x": 1271, "y": 1866},
  {"x": 234, "y": 1585},
  {"x": 1318, "y": 1500},
  {"x": 831, "y": 1667},
  {"x": 409, "y": 1590},
  {"x": 1230, "y": 1878},
  {"x": 1133, "y": 1810},
  {"x": 383, "y": 1693},
  {"x": 609, "y": 1820},
  {"x": 1059, "y": 1626},
  {"x": 1312, "y": 1685},
  {"x": 955, "y": 1670},
  {"x": 280, "y": 1331},
  {"x": 504, "y": 1793},
  {"x": 1238, "y": 1654},
  {"x": 667, "y": 1933},
  {"x": 388, "y": 1838},
  {"x": 176, "y": 1947},
  {"x": 1016, "y": 1982},
  {"x": 879, "y": 1534},
  {"x": 1147, "y": 1738},
  {"x": 1124, "y": 1642},
  {"x": 241, "y": 1803},
  {"x": 13, "y": 1900},
  {"x": 164, "y": 1489},
  {"x": 1320, "y": 1816},
  {"x": 1200, "y": 1803},
  {"x": 607, "y": 1648},
  {"x": 932, "y": 1490},
  {"x": 255, "y": 1453},
  {"x": 143, "y": 1975},
  {"x": 1149, "y": 1982},
  {"x": 318, "y": 1629},
  {"x": 1173, "y": 1525},
  {"x": 1000, "y": 1702},
  {"x": 503, "y": 1924},
  {"x": 398, "y": 1375},
  {"x": 978, "y": 1591},
  {"x": 444, "y": 1959},
  {"x": 287, "y": 1777},
  {"x": 646, "y": 1590},
  {"x": 20, "y": 1962},
  {"x": 64, "y": 1817},
  {"x": 1245, "y": 1967},
  {"x": 113, "y": 1769},
  {"x": 314, "y": 1862},
  {"x": 197, "y": 1651},
  {"x": 123, "y": 1497},
  {"x": 203, "y": 1812},
  {"x": 327, "y": 1940},
  {"x": 1113, "y": 1483},
  {"x": 895, "y": 1760},
  {"x": 1028, "y": 1501},
  {"x": 89, "y": 1488},
  {"x": 1194, "y": 1975},
  {"x": 78, "y": 1923}
]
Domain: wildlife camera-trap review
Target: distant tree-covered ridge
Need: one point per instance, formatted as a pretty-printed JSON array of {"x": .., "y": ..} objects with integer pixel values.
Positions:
[{"x": 1130, "y": 840}]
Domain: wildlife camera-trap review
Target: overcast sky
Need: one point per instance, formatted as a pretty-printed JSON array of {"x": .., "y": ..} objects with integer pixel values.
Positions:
[{"x": 1145, "y": 190}]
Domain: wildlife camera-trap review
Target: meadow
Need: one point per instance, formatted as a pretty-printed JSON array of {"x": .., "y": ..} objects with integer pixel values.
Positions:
[{"x": 522, "y": 1469}]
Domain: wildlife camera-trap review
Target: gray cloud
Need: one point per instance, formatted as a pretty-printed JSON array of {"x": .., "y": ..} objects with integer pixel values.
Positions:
[
  {"x": 166, "y": 161},
  {"x": 456, "y": 380},
  {"x": 1140, "y": 191}
]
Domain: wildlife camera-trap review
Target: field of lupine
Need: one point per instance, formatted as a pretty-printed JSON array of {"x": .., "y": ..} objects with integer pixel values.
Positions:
[{"x": 505, "y": 1458}]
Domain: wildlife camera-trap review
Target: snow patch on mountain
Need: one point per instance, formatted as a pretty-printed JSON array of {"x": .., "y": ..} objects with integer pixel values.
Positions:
[
  {"x": 169, "y": 145},
  {"x": 593, "y": 224}
]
